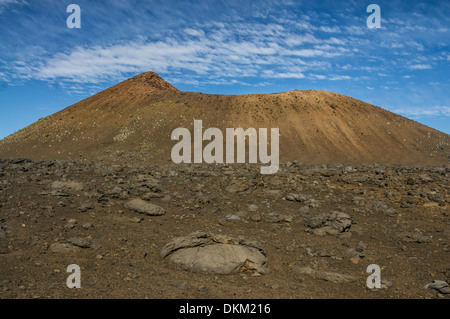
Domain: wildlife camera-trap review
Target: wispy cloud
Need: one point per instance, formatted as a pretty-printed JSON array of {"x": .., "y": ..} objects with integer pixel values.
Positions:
[
  {"x": 416, "y": 112},
  {"x": 420, "y": 67},
  {"x": 253, "y": 42},
  {"x": 4, "y": 4},
  {"x": 212, "y": 52}
]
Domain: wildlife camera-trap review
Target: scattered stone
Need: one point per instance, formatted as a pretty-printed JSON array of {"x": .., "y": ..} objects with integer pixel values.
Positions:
[
  {"x": 3, "y": 241},
  {"x": 237, "y": 187},
  {"x": 232, "y": 218},
  {"x": 315, "y": 198},
  {"x": 117, "y": 190},
  {"x": 181, "y": 286},
  {"x": 136, "y": 219},
  {"x": 87, "y": 226},
  {"x": 334, "y": 277},
  {"x": 414, "y": 237},
  {"x": 331, "y": 224},
  {"x": 409, "y": 202},
  {"x": 296, "y": 197},
  {"x": 63, "y": 248},
  {"x": 253, "y": 216},
  {"x": 72, "y": 186},
  {"x": 304, "y": 210},
  {"x": 2, "y": 232},
  {"x": 360, "y": 247},
  {"x": 385, "y": 284},
  {"x": 69, "y": 225},
  {"x": 273, "y": 193},
  {"x": 144, "y": 207},
  {"x": 278, "y": 218},
  {"x": 382, "y": 208},
  {"x": 85, "y": 207},
  {"x": 439, "y": 285},
  {"x": 82, "y": 242},
  {"x": 150, "y": 195}
]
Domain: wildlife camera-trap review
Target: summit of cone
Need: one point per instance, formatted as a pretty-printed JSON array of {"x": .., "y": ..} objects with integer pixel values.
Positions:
[
  {"x": 149, "y": 80},
  {"x": 133, "y": 121}
]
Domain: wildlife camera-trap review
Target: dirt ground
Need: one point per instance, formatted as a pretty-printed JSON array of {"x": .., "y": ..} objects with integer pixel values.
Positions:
[{"x": 320, "y": 226}]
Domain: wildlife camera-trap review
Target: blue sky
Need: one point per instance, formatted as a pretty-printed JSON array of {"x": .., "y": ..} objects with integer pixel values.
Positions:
[{"x": 226, "y": 47}]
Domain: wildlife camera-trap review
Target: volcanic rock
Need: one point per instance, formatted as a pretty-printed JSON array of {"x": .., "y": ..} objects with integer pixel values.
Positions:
[{"x": 201, "y": 252}]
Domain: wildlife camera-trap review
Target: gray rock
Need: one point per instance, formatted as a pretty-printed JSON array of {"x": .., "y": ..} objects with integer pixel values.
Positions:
[
  {"x": 315, "y": 221},
  {"x": 136, "y": 219},
  {"x": 414, "y": 237},
  {"x": 304, "y": 210},
  {"x": 274, "y": 193},
  {"x": 296, "y": 197},
  {"x": 69, "y": 225},
  {"x": 117, "y": 190},
  {"x": 73, "y": 186},
  {"x": 150, "y": 195},
  {"x": 324, "y": 275},
  {"x": 438, "y": 285},
  {"x": 144, "y": 207},
  {"x": 382, "y": 208},
  {"x": 253, "y": 216},
  {"x": 360, "y": 247},
  {"x": 351, "y": 252},
  {"x": 201, "y": 252},
  {"x": 85, "y": 207},
  {"x": 278, "y": 218},
  {"x": 390, "y": 212},
  {"x": 2, "y": 232},
  {"x": 331, "y": 224},
  {"x": 233, "y": 218},
  {"x": 181, "y": 285},
  {"x": 153, "y": 184},
  {"x": 385, "y": 284},
  {"x": 237, "y": 187},
  {"x": 348, "y": 169},
  {"x": 3, "y": 241},
  {"x": 63, "y": 248},
  {"x": 87, "y": 226},
  {"x": 82, "y": 242},
  {"x": 409, "y": 202},
  {"x": 379, "y": 206}
]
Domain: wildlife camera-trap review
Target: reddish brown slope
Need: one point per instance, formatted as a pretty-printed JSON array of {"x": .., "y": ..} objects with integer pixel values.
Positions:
[{"x": 133, "y": 121}]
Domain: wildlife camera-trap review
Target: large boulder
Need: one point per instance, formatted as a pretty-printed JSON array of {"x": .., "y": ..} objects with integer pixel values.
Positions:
[{"x": 202, "y": 252}]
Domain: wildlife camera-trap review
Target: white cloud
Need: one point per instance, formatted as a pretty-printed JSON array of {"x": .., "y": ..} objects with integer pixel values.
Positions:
[
  {"x": 5, "y": 3},
  {"x": 333, "y": 29},
  {"x": 329, "y": 77},
  {"x": 420, "y": 67},
  {"x": 234, "y": 48},
  {"x": 339, "y": 77},
  {"x": 283, "y": 75},
  {"x": 415, "y": 112},
  {"x": 204, "y": 56},
  {"x": 194, "y": 32}
]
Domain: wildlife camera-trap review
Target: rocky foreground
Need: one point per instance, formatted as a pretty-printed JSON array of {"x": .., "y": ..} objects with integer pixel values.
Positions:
[{"x": 221, "y": 231}]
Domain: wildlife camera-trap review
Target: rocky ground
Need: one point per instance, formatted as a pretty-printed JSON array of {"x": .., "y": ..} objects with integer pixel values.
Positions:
[{"x": 169, "y": 231}]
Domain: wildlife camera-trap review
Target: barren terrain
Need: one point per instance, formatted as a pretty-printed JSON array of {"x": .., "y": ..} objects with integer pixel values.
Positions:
[{"x": 93, "y": 185}]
